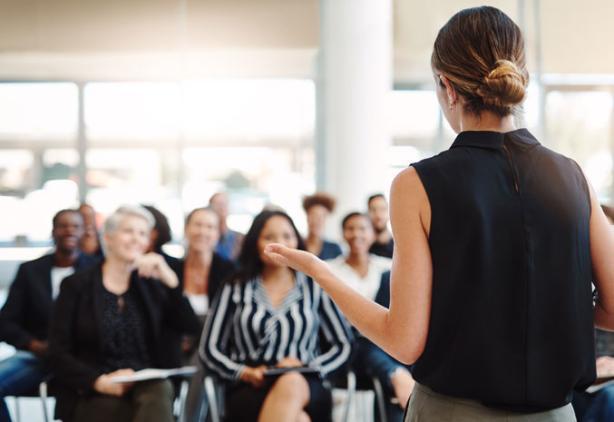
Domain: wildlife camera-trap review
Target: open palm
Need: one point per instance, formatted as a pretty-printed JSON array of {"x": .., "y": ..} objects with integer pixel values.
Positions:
[{"x": 302, "y": 261}]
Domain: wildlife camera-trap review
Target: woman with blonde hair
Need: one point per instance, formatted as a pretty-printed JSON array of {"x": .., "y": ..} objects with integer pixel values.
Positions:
[
  {"x": 107, "y": 323},
  {"x": 497, "y": 242}
]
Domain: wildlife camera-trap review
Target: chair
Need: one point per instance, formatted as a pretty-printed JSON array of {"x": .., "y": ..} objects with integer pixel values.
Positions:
[
  {"x": 352, "y": 384},
  {"x": 214, "y": 393},
  {"x": 42, "y": 393},
  {"x": 180, "y": 400}
]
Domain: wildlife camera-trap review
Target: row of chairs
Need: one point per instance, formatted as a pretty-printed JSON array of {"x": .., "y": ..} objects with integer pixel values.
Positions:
[
  {"x": 214, "y": 392},
  {"x": 43, "y": 394},
  {"x": 213, "y": 403}
]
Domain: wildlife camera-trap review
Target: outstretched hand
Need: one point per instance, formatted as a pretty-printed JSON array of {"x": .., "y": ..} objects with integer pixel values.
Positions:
[{"x": 301, "y": 261}]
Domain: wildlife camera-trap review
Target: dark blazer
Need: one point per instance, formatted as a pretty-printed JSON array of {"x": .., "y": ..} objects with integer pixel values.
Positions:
[
  {"x": 25, "y": 314},
  {"x": 74, "y": 336},
  {"x": 221, "y": 270}
]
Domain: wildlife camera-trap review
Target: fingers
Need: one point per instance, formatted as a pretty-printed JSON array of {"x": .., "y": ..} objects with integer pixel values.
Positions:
[
  {"x": 148, "y": 266},
  {"x": 279, "y": 259},
  {"x": 122, "y": 372},
  {"x": 289, "y": 362}
]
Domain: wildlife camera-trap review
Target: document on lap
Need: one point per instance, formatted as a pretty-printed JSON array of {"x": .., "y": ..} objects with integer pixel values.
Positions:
[{"x": 154, "y": 374}]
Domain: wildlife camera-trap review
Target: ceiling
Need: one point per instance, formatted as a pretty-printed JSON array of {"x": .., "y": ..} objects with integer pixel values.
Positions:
[{"x": 169, "y": 39}]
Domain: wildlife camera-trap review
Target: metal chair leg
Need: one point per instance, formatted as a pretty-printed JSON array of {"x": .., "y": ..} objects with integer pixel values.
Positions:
[
  {"x": 17, "y": 410},
  {"x": 43, "y": 394},
  {"x": 181, "y": 400},
  {"x": 380, "y": 399},
  {"x": 351, "y": 389},
  {"x": 212, "y": 399}
]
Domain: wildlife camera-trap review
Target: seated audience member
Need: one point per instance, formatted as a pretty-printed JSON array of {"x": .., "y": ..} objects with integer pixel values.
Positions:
[
  {"x": 201, "y": 273},
  {"x": 202, "y": 270},
  {"x": 229, "y": 243},
  {"x": 599, "y": 406},
  {"x": 160, "y": 235},
  {"x": 270, "y": 316},
  {"x": 24, "y": 318},
  {"x": 90, "y": 241},
  {"x": 107, "y": 323},
  {"x": 370, "y": 275},
  {"x": 318, "y": 207},
  {"x": 378, "y": 213}
]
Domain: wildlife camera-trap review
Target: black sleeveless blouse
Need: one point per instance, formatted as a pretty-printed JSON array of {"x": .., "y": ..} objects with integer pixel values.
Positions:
[{"x": 512, "y": 312}]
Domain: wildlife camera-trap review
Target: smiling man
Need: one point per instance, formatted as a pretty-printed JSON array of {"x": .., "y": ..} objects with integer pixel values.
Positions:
[{"x": 24, "y": 318}]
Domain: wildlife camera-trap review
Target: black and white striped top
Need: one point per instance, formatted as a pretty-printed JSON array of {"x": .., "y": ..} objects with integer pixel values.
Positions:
[{"x": 244, "y": 329}]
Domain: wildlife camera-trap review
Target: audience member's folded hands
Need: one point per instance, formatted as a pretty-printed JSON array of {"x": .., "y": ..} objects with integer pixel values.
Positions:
[
  {"x": 253, "y": 376},
  {"x": 605, "y": 367},
  {"x": 39, "y": 347}
]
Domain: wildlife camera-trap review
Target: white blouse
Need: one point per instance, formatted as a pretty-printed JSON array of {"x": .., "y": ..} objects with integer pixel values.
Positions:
[{"x": 368, "y": 285}]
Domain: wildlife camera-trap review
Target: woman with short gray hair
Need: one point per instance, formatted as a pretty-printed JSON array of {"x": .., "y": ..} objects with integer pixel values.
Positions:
[{"x": 107, "y": 323}]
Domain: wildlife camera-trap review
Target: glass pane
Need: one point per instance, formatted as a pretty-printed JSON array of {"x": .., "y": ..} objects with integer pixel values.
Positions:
[
  {"x": 60, "y": 164},
  {"x": 39, "y": 111},
  {"x": 16, "y": 171},
  {"x": 120, "y": 176},
  {"x": 253, "y": 176},
  {"x": 250, "y": 110},
  {"x": 34, "y": 186},
  {"x": 579, "y": 125},
  {"x": 413, "y": 114},
  {"x": 138, "y": 111}
]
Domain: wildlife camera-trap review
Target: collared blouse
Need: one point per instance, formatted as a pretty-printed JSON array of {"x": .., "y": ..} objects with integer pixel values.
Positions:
[{"x": 244, "y": 329}]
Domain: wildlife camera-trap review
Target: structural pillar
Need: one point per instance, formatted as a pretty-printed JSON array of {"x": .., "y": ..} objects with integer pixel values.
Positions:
[{"x": 353, "y": 83}]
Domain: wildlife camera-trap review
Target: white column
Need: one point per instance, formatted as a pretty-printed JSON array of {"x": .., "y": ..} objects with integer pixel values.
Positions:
[{"x": 353, "y": 82}]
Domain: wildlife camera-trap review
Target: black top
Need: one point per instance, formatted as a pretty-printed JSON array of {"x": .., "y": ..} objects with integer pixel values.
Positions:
[
  {"x": 76, "y": 332},
  {"x": 512, "y": 312},
  {"x": 220, "y": 271},
  {"x": 382, "y": 249},
  {"x": 124, "y": 331},
  {"x": 25, "y": 314}
]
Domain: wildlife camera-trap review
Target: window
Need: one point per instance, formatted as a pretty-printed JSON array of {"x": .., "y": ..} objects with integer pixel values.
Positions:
[
  {"x": 38, "y": 112},
  {"x": 579, "y": 125}
]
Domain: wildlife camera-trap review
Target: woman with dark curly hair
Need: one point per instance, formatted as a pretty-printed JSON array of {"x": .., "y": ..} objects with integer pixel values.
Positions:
[{"x": 318, "y": 207}]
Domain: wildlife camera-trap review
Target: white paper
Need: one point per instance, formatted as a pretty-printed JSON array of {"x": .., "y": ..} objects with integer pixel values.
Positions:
[{"x": 153, "y": 374}]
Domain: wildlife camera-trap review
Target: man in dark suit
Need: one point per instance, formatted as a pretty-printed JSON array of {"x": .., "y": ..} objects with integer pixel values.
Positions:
[{"x": 24, "y": 318}]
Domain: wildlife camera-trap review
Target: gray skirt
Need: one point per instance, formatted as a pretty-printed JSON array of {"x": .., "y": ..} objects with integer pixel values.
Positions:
[{"x": 427, "y": 406}]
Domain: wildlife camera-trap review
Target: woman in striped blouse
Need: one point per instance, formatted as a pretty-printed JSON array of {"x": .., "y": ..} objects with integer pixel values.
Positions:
[{"x": 271, "y": 316}]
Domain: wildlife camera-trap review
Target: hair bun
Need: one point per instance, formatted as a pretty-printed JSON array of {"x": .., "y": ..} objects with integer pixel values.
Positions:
[{"x": 505, "y": 85}]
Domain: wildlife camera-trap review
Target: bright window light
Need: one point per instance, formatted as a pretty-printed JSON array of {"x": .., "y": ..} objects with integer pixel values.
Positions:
[{"x": 39, "y": 111}]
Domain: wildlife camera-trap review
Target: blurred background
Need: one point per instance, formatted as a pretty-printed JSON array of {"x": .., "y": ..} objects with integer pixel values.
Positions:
[{"x": 165, "y": 102}]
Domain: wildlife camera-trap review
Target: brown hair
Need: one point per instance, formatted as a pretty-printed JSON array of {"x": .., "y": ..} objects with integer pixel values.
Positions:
[
  {"x": 195, "y": 210},
  {"x": 319, "y": 198},
  {"x": 481, "y": 52}
]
